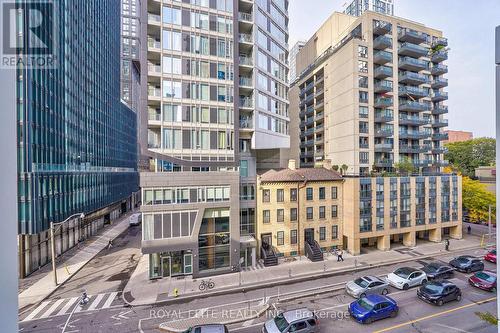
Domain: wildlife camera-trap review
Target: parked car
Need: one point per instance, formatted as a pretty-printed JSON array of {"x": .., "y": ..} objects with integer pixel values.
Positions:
[
  {"x": 373, "y": 307},
  {"x": 406, "y": 277},
  {"x": 485, "y": 280},
  {"x": 439, "y": 292},
  {"x": 210, "y": 328},
  {"x": 491, "y": 256},
  {"x": 467, "y": 264},
  {"x": 366, "y": 285},
  {"x": 300, "y": 320},
  {"x": 135, "y": 220},
  {"x": 435, "y": 270}
]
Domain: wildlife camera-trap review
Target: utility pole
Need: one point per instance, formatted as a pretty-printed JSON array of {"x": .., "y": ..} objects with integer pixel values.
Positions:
[{"x": 489, "y": 225}]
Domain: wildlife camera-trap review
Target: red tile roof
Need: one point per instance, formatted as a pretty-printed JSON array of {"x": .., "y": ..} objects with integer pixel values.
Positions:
[{"x": 302, "y": 174}]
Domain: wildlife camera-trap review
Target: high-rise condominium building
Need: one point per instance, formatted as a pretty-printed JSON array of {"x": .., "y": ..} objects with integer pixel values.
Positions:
[
  {"x": 358, "y": 7},
  {"x": 76, "y": 140},
  {"x": 291, "y": 59},
  {"x": 370, "y": 95},
  {"x": 217, "y": 110}
]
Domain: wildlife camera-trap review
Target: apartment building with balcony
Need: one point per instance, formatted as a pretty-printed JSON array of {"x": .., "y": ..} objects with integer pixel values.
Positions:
[
  {"x": 358, "y": 7},
  {"x": 217, "y": 110},
  {"x": 370, "y": 94}
]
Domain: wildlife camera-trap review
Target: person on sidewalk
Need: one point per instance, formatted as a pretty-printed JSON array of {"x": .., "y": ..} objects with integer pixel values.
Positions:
[
  {"x": 447, "y": 244},
  {"x": 340, "y": 253},
  {"x": 469, "y": 230},
  {"x": 110, "y": 244}
]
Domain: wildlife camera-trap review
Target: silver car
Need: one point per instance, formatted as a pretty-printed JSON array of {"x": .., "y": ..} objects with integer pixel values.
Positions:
[
  {"x": 367, "y": 285},
  {"x": 297, "y": 321},
  {"x": 210, "y": 328}
]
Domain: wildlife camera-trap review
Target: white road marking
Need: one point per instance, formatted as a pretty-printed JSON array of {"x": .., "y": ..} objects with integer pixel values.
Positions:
[
  {"x": 110, "y": 300},
  {"x": 453, "y": 328},
  {"x": 67, "y": 306},
  {"x": 96, "y": 302},
  {"x": 52, "y": 308},
  {"x": 36, "y": 311}
]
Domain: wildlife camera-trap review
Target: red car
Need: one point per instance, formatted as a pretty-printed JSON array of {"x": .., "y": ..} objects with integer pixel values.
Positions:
[
  {"x": 491, "y": 256},
  {"x": 485, "y": 280}
]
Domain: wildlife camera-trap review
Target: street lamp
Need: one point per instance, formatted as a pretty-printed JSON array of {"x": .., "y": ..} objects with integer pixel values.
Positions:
[{"x": 52, "y": 242}]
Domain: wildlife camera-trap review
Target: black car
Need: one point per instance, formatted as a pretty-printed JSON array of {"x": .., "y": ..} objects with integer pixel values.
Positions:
[
  {"x": 435, "y": 270},
  {"x": 467, "y": 264},
  {"x": 439, "y": 292}
]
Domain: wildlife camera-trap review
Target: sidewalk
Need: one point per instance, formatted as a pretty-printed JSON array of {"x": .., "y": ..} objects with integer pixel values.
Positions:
[
  {"x": 43, "y": 281},
  {"x": 142, "y": 291}
]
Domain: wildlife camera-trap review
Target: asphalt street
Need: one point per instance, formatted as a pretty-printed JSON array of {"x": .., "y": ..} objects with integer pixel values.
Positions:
[{"x": 105, "y": 276}]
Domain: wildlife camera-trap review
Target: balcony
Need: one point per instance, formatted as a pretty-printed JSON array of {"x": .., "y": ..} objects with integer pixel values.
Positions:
[
  {"x": 154, "y": 92},
  {"x": 439, "y": 56},
  {"x": 381, "y": 27},
  {"x": 384, "y": 132},
  {"x": 439, "y": 82},
  {"x": 246, "y": 102},
  {"x": 246, "y": 38},
  {"x": 308, "y": 143},
  {"x": 382, "y": 42},
  {"x": 246, "y": 82},
  {"x": 412, "y": 36},
  {"x": 413, "y": 121},
  {"x": 154, "y": 44},
  {"x": 413, "y": 149},
  {"x": 413, "y": 106},
  {"x": 440, "y": 163},
  {"x": 412, "y": 64},
  {"x": 319, "y": 116},
  {"x": 154, "y": 69},
  {"x": 319, "y": 105},
  {"x": 413, "y": 134},
  {"x": 246, "y": 17},
  {"x": 439, "y": 109},
  {"x": 319, "y": 92},
  {"x": 412, "y": 78},
  {"x": 383, "y": 86},
  {"x": 439, "y": 96},
  {"x": 413, "y": 91},
  {"x": 439, "y": 150},
  {"x": 384, "y": 163},
  {"x": 384, "y": 116},
  {"x": 421, "y": 163},
  {"x": 383, "y": 102},
  {"x": 439, "y": 136},
  {"x": 382, "y": 57},
  {"x": 440, "y": 123},
  {"x": 154, "y": 19},
  {"x": 413, "y": 50},
  {"x": 246, "y": 122},
  {"x": 439, "y": 41},
  {"x": 439, "y": 69},
  {"x": 246, "y": 61},
  {"x": 383, "y": 147},
  {"x": 381, "y": 72}
]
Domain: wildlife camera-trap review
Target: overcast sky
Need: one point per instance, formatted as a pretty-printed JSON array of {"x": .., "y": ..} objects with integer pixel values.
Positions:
[{"x": 470, "y": 29}]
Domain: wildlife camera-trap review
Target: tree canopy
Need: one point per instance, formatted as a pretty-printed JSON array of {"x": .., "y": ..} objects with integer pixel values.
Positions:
[
  {"x": 476, "y": 199},
  {"x": 466, "y": 156}
]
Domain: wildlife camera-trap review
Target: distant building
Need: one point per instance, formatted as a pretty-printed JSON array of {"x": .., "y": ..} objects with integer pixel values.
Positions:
[
  {"x": 458, "y": 136},
  {"x": 292, "y": 74},
  {"x": 358, "y": 7},
  {"x": 487, "y": 175}
]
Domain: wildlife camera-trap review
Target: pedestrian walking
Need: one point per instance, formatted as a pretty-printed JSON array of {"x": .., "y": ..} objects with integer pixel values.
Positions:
[
  {"x": 340, "y": 253},
  {"x": 110, "y": 244},
  {"x": 469, "y": 229},
  {"x": 447, "y": 244}
]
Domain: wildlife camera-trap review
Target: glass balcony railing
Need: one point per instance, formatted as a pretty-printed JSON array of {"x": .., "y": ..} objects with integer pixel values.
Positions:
[
  {"x": 246, "y": 102},
  {"x": 412, "y": 78},
  {"x": 382, "y": 57},
  {"x": 384, "y": 132},
  {"x": 413, "y": 50},
  {"x": 383, "y": 102},
  {"x": 245, "y": 17},
  {"x": 413, "y": 120},
  {"x": 412, "y": 63},
  {"x": 381, "y": 27},
  {"x": 413, "y": 106},
  {"x": 408, "y": 134},
  {"x": 384, "y": 163},
  {"x": 383, "y": 86},
  {"x": 246, "y": 122},
  {"x": 382, "y": 42},
  {"x": 155, "y": 44},
  {"x": 246, "y": 61},
  {"x": 438, "y": 96},
  {"x": 439, "y": 109},
  {"x": 439, "y": 41},
  {"x": 411, "y": 35},
  {"x": 246, "y": 81},
  {"x": 246, "y": 38},
  {"x": 154, "y": 92},
  {"x": 153, "y": 18},
  {"x": 383, "y": 147},
  {"x": 384, "y": 116},
  {"x": 413, "y": 149},
  {"x": 439, "y": 82},
  {"x": 382, "y": 72},
  {"x": 438, "y": 69},
  {"x": 440, "y": 123},
  {"x": 439, "y": 56},
  {"x": 439, "y": 136},
  {"x": 413, "y": 91}
]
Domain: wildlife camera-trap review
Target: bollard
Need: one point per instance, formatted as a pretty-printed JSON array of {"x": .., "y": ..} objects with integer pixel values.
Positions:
[
  {"x": 176, "y": 292},
  {"x": 290, "y": 272},
  {"x": 324, "y": 267},
  {"x": 67, "y": 269}
]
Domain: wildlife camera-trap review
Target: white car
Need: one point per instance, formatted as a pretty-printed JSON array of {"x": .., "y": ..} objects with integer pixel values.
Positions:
[
  {"x": 406, "y": 277},
  {"x": 135, "y": 220}
]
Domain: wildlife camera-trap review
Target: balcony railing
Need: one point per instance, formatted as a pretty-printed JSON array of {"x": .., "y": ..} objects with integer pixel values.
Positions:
[
  {"x": 439, "y": 56},
  {"x": 413, "y": 106},
  {"x": 413, "y": 50},
  {"x": 154, "y": 68},
  {"x": 413, "y": 149},
  {"x": 383, "y": 86},
  {"x": 154, "y": 92},
  {"x": 421, "y": 163},
  {"x": 440, "y": 123},
  {"x": 439, "y": 136},
  {"x": 413, "y": 120},
  {"x": 413, "y": 134},
  {"x": 439, "y": 150},
  {"x": 384, "y": 132},
  {"x": 382, "y": 42},
  {"x": 411, "y": 36},
  {"x": 246, "y": 61},
  {"x": 246, "y": 102},
  {"x": 155, "y": 44},
  {"x": 412, "y": 63},
  {"x": 382, "y": 57},
  {"x": 245, "y": 17},
  {"x": 384, "y": 163},
  {"x": 412, "y": 78},
  {"x": 438, "y": 96},
  {"x": 384, "y": 147},
  {"x": 381, "y": 27},
  {"x": 246, "y": 122},
  {"x": 383, "y": 102},
  {"x": 439, "y": 41},
  {"x": 413, "y": 91},
  {"x": 154, "y": 18},
  {"x": 246, "y": 38},
  {"x": 384, "y": 116},
  {"x": 438, "y": 69},
  {"x": 246, "y": 81},
  {"x": 382, "y": 72},
  {"x": 439, "y": 82}
]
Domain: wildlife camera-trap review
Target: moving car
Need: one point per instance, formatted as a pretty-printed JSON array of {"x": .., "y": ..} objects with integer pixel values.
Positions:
[
  {"x": 435, "y": 270},
  {"x": 301, "y": 320},
  {"x": 485, "y": 280},
  {"x": 366, "y": 285},
  {"x": 210, "y": 328},
  {"x": 135, "y": 220},
  {"x": 439, "y": 292},
  {"x": 406, "y": 277},
  {"x": 373, "y": 307},
  {"x": 467, "y": 264},
  {"x": 491, "y": 256}
]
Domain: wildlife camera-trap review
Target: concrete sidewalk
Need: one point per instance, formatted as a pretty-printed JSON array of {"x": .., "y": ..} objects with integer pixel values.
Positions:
[
  {"x": 67, "y": 267},
  {"x": 142, "y": 291}
]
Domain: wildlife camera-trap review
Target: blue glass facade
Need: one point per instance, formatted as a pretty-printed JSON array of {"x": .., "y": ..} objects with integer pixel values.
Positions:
[{"x": 76, "y": 140}]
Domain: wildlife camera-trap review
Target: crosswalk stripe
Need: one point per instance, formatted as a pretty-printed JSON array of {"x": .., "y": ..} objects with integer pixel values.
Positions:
[
  {"x": 52, "y": 308},
  {"x": 67, "y": 306},
  {"x": 110, "y": 300},
  {"x": 36, "y": 311},
  {"x": 96, "y": 302}
]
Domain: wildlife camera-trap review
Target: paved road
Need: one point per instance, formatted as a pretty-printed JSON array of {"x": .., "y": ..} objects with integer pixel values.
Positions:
[{"x": 105, "y": 311}]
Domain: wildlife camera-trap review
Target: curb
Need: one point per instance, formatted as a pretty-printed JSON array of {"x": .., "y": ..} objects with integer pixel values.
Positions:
[
  {"x": 296, "y": 279},
  {"x": 30, "y": 306}
]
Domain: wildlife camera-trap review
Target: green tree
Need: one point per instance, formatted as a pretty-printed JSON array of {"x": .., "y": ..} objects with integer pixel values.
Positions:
[
  {"x": 476, "y": 199},
  {"x": 404, "y": 166},
  {"x": 466, "y": 156},
  {"x": 344, "y": 168},
  {"x": 335, "y": 167}
]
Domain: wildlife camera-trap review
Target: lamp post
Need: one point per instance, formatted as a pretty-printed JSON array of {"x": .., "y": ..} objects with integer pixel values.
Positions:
[{"x": 53, "y": 230}]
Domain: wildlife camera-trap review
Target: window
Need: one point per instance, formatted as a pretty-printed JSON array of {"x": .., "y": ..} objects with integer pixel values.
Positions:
[
  {"x": 280, "y": 215},
  {"x": 363, "y": 97},
  {"x": 362, "y": 51},
  {"x": 243, "y": 168},
  {"x": 334, "y": 211},
  {"x": 309, "y": 212},
  {"x": 321, "y": 193},
  {"x": 280, "y": 195},
  {"x": 363, "y": 127},
  {"x": 266, "y": 195},
  {"x": 322, "y": 212},
  {"x": 293, "y": 236},
  {"x": 266, "y": 216},
  {"x": 335, "y": 231},
  {"x": 334, "y": 192},
  {"x": 293, "y": 214},
  {"x": 293, "y": 194},
  {"x": 309, "y": 193},
  {"x": 322, "y": 233},
  {"x": 171, "y": 15},
  {"x": 363, "y": 142},
  {"x": 363, "y": 157},
  {"x": 363, "y": 81},
  {"x": 363, "y": 66},
  {"x": 281, "y": 237},
  {"x": 363, "y": 112}
]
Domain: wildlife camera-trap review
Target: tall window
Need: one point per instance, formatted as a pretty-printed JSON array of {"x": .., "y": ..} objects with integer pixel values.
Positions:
[
  {"x": 334, "y": 211},
  {"x": 280, "y": 195},
  {"x": 280, "y": 215},
  {"x": 293, "y": 236},
  {"x": 322, "y": 212},
  {"x": 281, "y": 237},
  {"x": 322, "y": 193},
  {"x": 243, "y": 168},
  {"x": 293, "y": 194},
  {"x": 309, "y": 213},
  {"x": 309, "y": 193},
  {"x": 334, "y": 192},
  {"x": 322, "y": 233},
  {"x": 266, "y": 195},
  {"x": 293, "y": 214},
  {"x": 335, "y": 231},
  {"x": 266, "y": 216},
  {"x": 362, "y": 51}
]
